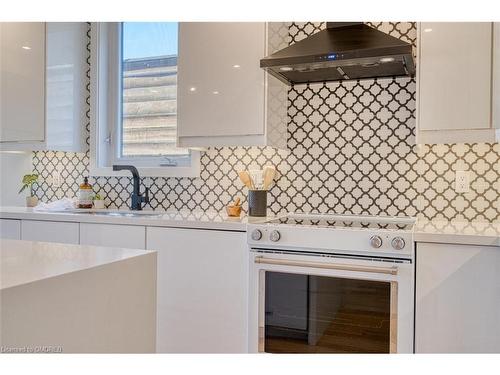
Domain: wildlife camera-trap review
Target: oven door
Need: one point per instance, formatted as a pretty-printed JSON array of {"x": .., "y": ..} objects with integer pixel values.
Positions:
[{"x": 329, "y": 304}]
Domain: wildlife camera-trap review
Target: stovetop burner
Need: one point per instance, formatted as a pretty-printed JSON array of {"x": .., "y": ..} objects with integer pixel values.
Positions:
[{"x": 346, "y": 221}]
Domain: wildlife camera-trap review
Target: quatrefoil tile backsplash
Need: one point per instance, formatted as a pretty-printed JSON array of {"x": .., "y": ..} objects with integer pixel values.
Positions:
[{"x": 351, "y": 149}]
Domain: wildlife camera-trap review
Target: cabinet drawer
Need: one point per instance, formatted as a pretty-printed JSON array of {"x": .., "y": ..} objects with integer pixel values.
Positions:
[
  {"x": 10, "y": 229},
  {"x": 127, "y": 236},
  {"x": 50, "y": 231}
]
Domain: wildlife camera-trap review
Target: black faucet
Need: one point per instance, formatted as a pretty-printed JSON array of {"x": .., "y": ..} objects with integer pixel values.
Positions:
[{"x": 137, "y": 197}]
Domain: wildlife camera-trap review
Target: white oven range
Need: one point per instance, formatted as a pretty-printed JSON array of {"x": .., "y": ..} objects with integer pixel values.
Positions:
[{"x": 331, "y": 284}]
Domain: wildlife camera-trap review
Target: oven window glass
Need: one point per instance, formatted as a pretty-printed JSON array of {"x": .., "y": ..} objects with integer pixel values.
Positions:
[{"x": 317, "y": 314}]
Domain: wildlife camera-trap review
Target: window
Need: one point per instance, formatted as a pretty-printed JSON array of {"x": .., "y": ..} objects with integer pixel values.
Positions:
[{"x": 136, "y": 99}]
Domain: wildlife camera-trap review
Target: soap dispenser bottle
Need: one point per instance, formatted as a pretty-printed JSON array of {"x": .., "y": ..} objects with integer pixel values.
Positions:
[{"x": 85, "y": 194}]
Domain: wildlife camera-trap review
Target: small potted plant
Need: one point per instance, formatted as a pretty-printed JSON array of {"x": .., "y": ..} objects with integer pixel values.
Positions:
[
  {"x": 98, "y": 201},
  {"x": 28, "y": 181}
]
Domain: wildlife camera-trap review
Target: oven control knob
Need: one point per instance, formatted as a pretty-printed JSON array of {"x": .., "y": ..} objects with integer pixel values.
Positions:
[
  {"x": 275, "y": 236},
  {"x": 376, "y": 241},
  {"x": 398, "y": 243},
  {"x": 256, "y": 235}
]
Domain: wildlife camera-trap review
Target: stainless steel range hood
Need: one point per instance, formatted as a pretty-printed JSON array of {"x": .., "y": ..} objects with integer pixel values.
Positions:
[{"x": 343, "y": 51}]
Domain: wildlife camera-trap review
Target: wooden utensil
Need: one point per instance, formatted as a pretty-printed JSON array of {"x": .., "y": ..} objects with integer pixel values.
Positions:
[
  {"x": 256, "y": 175},
  {"x": 234, "y": 209},
  {"x": 269, "y": 173},
  {"x": 245, "y": 178}
]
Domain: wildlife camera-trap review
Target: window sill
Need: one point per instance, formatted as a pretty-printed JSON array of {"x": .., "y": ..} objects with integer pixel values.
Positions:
[{"x": 190, "y": 172}]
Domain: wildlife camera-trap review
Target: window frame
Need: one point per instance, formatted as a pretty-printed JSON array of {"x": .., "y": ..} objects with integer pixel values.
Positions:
[{"x": 106, "y": 111}]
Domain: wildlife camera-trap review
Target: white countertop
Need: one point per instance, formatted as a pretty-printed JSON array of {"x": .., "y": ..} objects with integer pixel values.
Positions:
[
  {"x": 23, "y": 262},
  {"x": 458, "y": 232},
  {"x": 170, "y": 218},
  {"x": 442, "y": 231}
]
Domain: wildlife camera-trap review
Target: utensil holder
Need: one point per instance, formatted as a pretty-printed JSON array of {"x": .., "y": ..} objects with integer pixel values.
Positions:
[{"x": 257, "y": 203}]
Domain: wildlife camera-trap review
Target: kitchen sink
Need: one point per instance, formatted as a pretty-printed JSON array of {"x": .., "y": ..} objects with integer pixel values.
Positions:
[
  {"x": 143, "y": 214},
  {"x": 125, "y": 214}
]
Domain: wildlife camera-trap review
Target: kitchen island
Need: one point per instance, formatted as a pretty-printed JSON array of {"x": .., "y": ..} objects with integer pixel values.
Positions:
[{"x": 74, "y": 299}]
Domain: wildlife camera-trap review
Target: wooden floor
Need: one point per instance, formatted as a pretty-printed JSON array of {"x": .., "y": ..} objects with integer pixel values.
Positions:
[
  {"x": 361, "y": 325},
  {"x": 351, "y": 332}
]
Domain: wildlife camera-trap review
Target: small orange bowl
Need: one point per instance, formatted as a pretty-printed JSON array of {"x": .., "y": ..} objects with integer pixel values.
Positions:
[{"x": 233, "y": 211}]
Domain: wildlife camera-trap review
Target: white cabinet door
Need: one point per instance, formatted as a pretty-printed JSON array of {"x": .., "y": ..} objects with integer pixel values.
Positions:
[
  {"x": 454, "y": 82},
  {"x": 457, "y": 299},
  {"x": 50, "y": 231},
  {"x": 221, "y": 84},
  {"x": 22, "y": 81},
  {"x": 224, "y": 98},
  {"x": 43, "y": 68},
  {"x": 66, "y": 81},
  {"x": 10, "y": 229},
  {"x": 202, "y": 290},
  {"x": 127, "y": 236},
  {"x": 496, "y": 77}
]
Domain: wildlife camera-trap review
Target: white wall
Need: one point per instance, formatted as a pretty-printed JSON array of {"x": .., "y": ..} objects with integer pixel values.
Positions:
[{"x": 13, "y": 166}]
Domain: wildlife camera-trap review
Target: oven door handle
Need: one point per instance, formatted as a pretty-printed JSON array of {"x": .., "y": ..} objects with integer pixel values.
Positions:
[{"x": 330, "y": 266}]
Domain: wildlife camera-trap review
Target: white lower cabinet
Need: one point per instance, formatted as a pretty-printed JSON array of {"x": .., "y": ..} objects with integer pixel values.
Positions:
[
  {"x": 10, "y": 229},
  {"x": 457, "y": 299},
  {"x": 50, "y": 231},
  {"x": 127, "y": 236},
  {"x": 202, "y": 290}
]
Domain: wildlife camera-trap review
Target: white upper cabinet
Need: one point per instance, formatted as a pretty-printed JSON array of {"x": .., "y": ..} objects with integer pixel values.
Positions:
[
  {"x": 496, "y": 78},
  {"x": 43, "y": 94},
  {"x": 66, "y": 85},
  {"x": 22, "y": 81},
  {"x": 224, "y": 97},
  {"x": 455, "y": 71}
]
